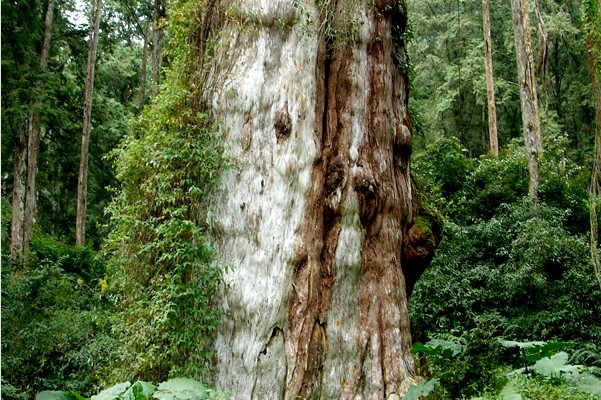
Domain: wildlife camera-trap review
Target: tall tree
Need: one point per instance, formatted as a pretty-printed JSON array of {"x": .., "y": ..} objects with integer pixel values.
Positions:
[
  {"x": 158, "y": 36},
  {"x": 528, "y": 92},
  {"x": 319, "y": 210},
  {"x": 490, "y": 88},
  {"x": 144, "y": 64},
  {"x": 26, "y": 159},
  {"x": 592, "y": 22},
  {"x": 33, "y": 147},
  {"x": 82, "y": 183}
]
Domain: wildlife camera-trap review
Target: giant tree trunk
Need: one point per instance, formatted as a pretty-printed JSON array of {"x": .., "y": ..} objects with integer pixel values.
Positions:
[
  {"x": 490, "y": 88},
  {"x": 82, "y": 183},
  {"x": 528, "y": 95},
  {"x": 315, "y": 215}
]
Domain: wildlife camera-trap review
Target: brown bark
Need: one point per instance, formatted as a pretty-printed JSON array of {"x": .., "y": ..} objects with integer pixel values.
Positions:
[
  {"x": 381, "y": 183},
  {"x": 490, "y": 89},
  {"x": 82, "y": 183},
  {"x": 528, "y": 92}
]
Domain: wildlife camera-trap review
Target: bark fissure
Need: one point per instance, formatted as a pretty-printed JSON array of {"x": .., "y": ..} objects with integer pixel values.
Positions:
[{"x": 385, "y": 202}]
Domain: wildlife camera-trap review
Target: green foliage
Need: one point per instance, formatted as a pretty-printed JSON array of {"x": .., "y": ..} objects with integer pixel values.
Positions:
[
  {"x": 422, "y": 389},
  {"x": 502, "y": 256},
  {"x": 469, "y": 365},
  {"x": 51, "y": 313},
  {"x": 506, "y": 268},
  {"x": 173, "y": 389},
  {"x": 160, "y": 260}
]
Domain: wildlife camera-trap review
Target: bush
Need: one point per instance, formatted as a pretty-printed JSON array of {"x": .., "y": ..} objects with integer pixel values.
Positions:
[{"x": 51, "y": 313}]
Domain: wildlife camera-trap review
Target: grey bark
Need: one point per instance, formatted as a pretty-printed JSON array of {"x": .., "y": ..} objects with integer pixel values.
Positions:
[
  {"x": 82, "y": 182},
  {"x": 528, "y": 92}
]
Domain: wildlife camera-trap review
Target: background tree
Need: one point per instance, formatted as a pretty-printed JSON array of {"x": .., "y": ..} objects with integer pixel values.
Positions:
[
  {"x": 33, "y": 146},
  {"x": 490, "y": 89},
  {"x": 592, "y": 22},
  {"x": 528, "y": 92},
  {"x": 158, "y": 34},
  {"x": 17, "y": 102},
  {"x": 82, "y": 183}
]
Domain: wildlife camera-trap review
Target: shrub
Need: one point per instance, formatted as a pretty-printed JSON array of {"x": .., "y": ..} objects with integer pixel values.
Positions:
[{"x": 51, "y": 312}]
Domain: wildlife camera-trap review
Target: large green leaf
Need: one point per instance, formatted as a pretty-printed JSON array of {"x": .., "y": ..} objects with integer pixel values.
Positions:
[
  {"x": 557, "y": 366},
  {"x": 423, "y": 388},
  {"x": 181, "y": 389},
  {"x": 57, "y": 395},
  {"x": 112, "y": 393},
  {"x": 438, "y": 347},
  {"x": 589, "y": 383},
  {"x": 139, "y": 391}
]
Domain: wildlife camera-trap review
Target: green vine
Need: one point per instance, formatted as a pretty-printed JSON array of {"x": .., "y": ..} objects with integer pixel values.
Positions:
[{"x": 161, "y": 273}]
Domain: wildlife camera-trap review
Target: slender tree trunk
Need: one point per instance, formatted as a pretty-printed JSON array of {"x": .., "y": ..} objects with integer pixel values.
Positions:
[
  {"x": 82, "y": 183},
  {"x": 34, "y": 140},
  {"x": 543, "y": 50},
  {"x": 490, "y": 89},
  {"x": 157, "y": 46},
  {"x": 144, "y": 63},
  {"x": 528, "y": 95},
  {"x": 592, "y": 18},
  {"x": 317, "y": 214}
]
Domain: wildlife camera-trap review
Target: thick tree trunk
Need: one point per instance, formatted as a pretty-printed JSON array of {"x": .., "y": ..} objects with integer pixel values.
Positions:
[
  {"x": 315, "y": 217},
  {"x": 528, "y": 95},
  {"x": 34, "y": 140},
  {"x": 490, "y": 88},
  {"x": 82, "y": 183}
]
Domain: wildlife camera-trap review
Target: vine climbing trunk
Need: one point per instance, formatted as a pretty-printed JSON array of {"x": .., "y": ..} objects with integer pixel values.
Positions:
[
  {"x": 82, "y": 182},
  {"x": 317, "y": 216},
  {"x": 528, "y": 92}
]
